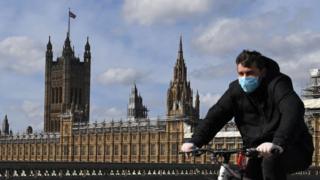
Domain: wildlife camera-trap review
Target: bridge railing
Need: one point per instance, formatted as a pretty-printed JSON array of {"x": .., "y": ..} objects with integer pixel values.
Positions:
[{"x": 63, "y": 169}]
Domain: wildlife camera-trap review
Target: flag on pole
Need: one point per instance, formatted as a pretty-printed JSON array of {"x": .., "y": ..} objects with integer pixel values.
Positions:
[{"x": 72, "y": 15}]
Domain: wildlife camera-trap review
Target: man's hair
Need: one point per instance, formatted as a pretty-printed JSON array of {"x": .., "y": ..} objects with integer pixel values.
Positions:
[{"x": 251, "y": 58}]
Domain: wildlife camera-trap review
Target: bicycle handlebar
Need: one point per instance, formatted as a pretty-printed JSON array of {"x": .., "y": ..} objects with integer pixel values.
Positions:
[
  {"x": 200, "y": 151},
  {"x": 249, "y": 152}
]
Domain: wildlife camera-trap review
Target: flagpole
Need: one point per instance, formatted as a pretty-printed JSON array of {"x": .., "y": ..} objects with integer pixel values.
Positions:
[{"x": 69, "y": 23}]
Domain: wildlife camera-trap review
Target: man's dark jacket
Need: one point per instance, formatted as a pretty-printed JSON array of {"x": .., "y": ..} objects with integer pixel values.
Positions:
[{"x": 272, "y": 113}]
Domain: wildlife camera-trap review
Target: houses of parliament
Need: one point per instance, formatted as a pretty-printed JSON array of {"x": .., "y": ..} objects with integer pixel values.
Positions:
[{"x": 69, "y": 136}]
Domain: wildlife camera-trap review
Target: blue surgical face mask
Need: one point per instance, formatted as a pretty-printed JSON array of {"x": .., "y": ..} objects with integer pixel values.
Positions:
[{"x": 249, "y": 84}]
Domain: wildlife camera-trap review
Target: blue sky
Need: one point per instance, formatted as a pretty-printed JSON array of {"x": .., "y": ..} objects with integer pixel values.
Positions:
[{"x": 137, "y": 41}]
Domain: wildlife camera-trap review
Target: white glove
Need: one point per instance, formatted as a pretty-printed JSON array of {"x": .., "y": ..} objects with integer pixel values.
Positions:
[
  {"x": 266, "y": 148},
  {"x": 187, "y": 147}
]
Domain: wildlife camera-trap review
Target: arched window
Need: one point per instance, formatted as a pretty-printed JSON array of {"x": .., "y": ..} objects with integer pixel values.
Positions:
[
  {"x": 56, "y": 95},
  {"x": 52, "y": 95},
  {"x": 76, "y": 95},
  {"x": 80, "y": 95},
  {"x": 60, "y": 94},
  {"x": 71, "y": 95}
]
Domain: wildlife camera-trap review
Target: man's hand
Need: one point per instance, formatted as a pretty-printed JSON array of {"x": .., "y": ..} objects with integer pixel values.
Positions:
[
  {"x": 187, "y": 147},
  {"x": 266, "y": 148}
]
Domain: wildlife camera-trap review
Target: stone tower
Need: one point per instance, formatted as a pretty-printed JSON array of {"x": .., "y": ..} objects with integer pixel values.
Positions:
[
  {"x": 5, "y": 126},
  {"x": 67, "y": 86},
  {"x": 136, "y": 109},
  {"x": 313, "y": 90},
  {"x": 180, "y": 95}
]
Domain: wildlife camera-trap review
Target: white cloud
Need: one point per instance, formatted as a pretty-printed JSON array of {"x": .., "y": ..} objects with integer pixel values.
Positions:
[
  {"x": 296, "y": 50},
  {"x": 100, "y": 113},
  {"x": 299, "y": 67},
  {"x": 21, "y": 54},
  {"x": 267, "y": 32},
  {"x": 296, "y": 53},
  {"x": 125, "y": 76},
  {"x": 294, "y": 45},
  {"x": 226, "y": 35},
  {"x": 146, "y": 12},
  {"x": 33, "y": 110},
  {"x": 25, "y": 113},
  {"x": 207, "y": 100},
  {"x": 209, "y": 72}
]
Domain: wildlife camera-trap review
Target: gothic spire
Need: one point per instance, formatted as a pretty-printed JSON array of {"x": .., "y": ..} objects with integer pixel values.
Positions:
[
  {"x": 197, "y": 99},
  {"x": 180, "y": 70},
  {"x": 179, "y": 94},
  {"x": 87, "y": 46},
  {"x": 180, "y": 52},
  {"x": 134, "y": 90},
  {"x": 5, "y": 125},
  {"x": 67, "y": 46},
  {"x": 67, "y": 41},
  {"x": 49, "y": 50},
  {"x": 197, "y": 105},
  {"x": 49, "y": 45},
  {"x": 136, "y": 109},
  {"x": 87, "y": 53}
]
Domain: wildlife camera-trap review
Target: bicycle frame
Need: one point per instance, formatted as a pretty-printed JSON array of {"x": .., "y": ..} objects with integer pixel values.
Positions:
[{"x": 226, "y": 172}]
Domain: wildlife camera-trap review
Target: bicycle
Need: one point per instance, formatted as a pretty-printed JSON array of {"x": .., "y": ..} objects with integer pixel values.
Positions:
[{"x": 226, "y": 172}]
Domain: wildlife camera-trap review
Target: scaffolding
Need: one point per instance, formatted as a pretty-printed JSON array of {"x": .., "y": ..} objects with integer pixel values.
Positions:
[{"x": 311, "y": 100}]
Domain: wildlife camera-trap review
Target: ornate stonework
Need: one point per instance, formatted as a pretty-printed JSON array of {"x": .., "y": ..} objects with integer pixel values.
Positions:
[
  {"x": 180, "y": 94},
  {"x": 69, "y": 136},
  {"x": 67, "y": 86},
  {"x": 136, "y": 109}
]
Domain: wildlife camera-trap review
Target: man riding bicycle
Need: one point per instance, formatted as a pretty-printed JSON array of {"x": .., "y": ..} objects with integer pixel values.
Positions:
[{"x": 268, "y": 114}]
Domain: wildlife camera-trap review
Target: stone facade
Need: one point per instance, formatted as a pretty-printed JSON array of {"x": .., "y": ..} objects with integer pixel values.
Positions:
[
  {"x": 67, "y": 86},
  {"x": 5, "y": 126},
  {"x": 314, "y": 124},
  {"x": 180, "y": 94},
  {"x": 311, "y": 95},
  {"x": 136, "y": 109},
  {"x": 69, "y": 137},
  {"x": 144, "y": 141}
]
